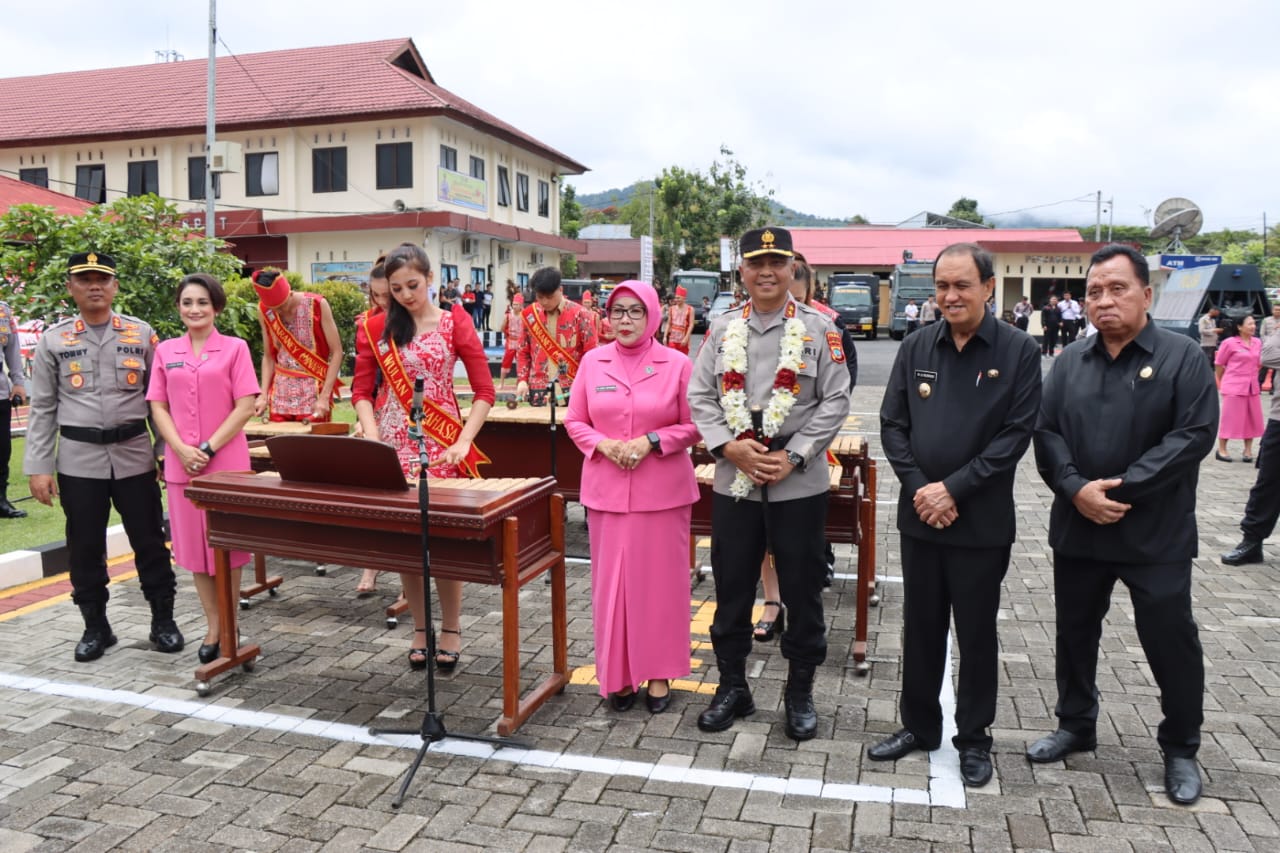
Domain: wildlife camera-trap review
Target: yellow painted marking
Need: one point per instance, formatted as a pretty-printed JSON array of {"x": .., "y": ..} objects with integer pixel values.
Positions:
[{"x": 57, "y": 599}]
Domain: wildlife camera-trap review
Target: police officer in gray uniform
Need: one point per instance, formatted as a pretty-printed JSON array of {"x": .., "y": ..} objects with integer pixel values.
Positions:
[
  {"x": 89, "y": 423},
  {"x": 13, "y": 390},
  {"x": 771, "y": 485}
]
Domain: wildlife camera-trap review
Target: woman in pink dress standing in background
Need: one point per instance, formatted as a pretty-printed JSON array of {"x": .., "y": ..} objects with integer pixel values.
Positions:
[
  {"x": 202, "y": 392},
  {"x": 1236, "y": 366},
  {"x": 629, "y": 415}
]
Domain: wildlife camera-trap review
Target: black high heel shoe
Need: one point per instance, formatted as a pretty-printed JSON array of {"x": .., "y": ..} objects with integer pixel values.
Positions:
[
  {"x": 446, "y": 661},
  {"x": 765, "y": 629},
  {"x": 418, "y": 656},
  {"x": 208, "y": 652}
]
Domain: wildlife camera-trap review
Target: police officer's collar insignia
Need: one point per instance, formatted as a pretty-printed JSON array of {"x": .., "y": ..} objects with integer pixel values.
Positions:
[
  {"x": 79, "y": 326},
  {"x": 791, "y": 309},
  {"x": 116, "y": 322},
  {"x": 1146, "y": 372}
]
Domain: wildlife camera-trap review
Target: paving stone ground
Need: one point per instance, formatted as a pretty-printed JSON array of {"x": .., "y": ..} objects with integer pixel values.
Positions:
[{"x": 123, "y": 755}]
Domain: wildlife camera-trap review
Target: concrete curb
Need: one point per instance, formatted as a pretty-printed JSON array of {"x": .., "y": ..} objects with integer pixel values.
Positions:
[{"x": 25, "y": 566}]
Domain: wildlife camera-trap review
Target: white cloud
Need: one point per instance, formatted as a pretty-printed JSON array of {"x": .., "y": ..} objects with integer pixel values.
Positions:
[{"x": 843, "y": 106}]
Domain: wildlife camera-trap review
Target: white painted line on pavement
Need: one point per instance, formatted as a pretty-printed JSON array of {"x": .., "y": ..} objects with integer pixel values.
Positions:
[{"x": 945, "y": 789}]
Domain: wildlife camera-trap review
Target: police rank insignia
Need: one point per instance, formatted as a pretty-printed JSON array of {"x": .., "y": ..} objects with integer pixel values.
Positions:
[
  {"x": 135, "y": 364},
  {"x": 1146, "y": 372},
  {"x": 837, "y": 349}
]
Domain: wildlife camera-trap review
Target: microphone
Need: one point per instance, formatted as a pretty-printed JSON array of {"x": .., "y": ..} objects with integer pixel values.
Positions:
[
  {"x": 757, "y": 424},
  {"x": 415, "y": 410}
]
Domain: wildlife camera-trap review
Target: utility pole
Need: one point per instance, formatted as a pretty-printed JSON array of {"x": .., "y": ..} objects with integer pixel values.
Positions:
[
  {"x": 209, "y": 123},
  {"x": 1097, "y": 220}
]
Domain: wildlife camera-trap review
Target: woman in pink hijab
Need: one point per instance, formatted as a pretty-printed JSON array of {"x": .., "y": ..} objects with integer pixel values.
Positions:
[{"x": 629, "y": 415}]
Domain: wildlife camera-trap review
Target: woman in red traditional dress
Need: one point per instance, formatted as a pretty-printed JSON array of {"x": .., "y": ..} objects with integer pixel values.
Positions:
[
  {"x": 379, "y": 297},
  {"x": 418, "y": 340}
]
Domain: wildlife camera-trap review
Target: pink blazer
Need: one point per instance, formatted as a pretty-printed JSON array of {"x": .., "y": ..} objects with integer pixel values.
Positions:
[
  {"x": 1240, "y": 367},
  {"x": 605, "y": 404}
]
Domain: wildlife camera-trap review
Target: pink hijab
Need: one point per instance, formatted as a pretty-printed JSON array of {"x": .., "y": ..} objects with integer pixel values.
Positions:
[{"x": 653, "y": 313}]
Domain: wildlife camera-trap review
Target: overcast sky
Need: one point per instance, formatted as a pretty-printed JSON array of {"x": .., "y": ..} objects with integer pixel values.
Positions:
[{"x": 842, "y": 107}]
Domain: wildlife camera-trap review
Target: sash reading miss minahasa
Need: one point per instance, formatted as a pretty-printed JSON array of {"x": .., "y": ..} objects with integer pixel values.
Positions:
[
  {"x": 536, "y": 325},
  {"x": 312, "y": 364},
  {"x": 443, "y": 427}
]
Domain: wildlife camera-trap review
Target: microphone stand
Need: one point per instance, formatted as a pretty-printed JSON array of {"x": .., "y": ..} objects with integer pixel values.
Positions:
[
  {"x": 553, "y": 379},
  {"x": 432, "y": 728}
]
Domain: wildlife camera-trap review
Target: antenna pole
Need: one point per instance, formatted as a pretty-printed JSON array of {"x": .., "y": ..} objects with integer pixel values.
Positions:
[
  {"x": 1097, "y": 220},
  {"x": 209, "y": 124}
]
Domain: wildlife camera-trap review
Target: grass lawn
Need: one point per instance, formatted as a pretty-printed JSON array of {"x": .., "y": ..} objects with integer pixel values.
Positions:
[{"x": 46, "y": 524}]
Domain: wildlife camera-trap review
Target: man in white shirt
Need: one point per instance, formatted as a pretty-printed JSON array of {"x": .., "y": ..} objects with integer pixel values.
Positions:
[
  {"x": 1070, "y": 318},
  {"x": 913, "y": 315}
]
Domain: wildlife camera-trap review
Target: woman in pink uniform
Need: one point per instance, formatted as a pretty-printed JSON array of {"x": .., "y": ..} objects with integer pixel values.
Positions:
[
  {"x": 629, "y": 415},
  {"x": 202, "y": 392},
  {"x": 1236, "y": 364},
  {"x": 418, "y": 340}
]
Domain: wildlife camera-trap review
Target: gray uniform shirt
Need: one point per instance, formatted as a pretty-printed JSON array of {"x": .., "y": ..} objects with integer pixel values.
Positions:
[
  {"x": 813, "y": 422},
  {"x": 11, "y": 356},
  {"x": 79, "y": 380}
]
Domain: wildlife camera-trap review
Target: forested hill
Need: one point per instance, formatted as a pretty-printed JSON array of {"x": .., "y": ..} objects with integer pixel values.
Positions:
[{"x": 783, "y": 215}]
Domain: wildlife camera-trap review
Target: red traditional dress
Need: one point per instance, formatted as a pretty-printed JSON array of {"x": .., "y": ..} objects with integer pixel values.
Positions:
[
  {"x": 432, "y": 357},
  {"x": 563, "y": 338},
  {"x": 293, "y": 390},
  {"x": 680, "y": 327},
  {"x": 511, "y": 331}
]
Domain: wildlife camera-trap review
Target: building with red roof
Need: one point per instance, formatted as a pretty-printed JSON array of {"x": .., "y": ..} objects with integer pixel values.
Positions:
[
  {"x": 14, "y": 192},
  {"x": 336, "y": 154}
]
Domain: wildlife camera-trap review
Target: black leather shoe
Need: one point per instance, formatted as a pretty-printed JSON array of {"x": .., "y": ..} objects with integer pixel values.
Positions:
[
  {"x": 8, "y": 510},
  {"x": 208, "y": 653},
  {"x": 896, "y": 745},
  {"x": 622, "y": 701},
  {"x": 1246, "y": 552},
  {"x": 1182, "y": 780},
  {"x": 657, "y": 704},
  {"x": 728, "y": 704},
  {"x": 975, "y": 767},
  {"x": 1059, "y": 745},
  {"x": 94, "y": 642},
  {"x": 802, "y": 717}
]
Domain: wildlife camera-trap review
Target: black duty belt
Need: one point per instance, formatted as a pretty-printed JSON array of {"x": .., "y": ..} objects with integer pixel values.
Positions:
[{"x": 93, "y": 435}]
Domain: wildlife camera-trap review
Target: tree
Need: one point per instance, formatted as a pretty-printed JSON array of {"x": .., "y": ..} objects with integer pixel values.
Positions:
[
  {"x": 571, "y": 215},
  {"x": 966, "y": 209},
  {"x": 694, "y": 210},
  {"x": 859, "y": 219},
  {"x": 152, "y": 248}
]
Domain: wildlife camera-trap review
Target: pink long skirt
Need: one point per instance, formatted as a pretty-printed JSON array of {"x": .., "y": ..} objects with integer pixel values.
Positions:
[
  {"x": 190, "y": 532},
  {"x": 640, "y": 596},
  {"x": 1241, "y": 417}
]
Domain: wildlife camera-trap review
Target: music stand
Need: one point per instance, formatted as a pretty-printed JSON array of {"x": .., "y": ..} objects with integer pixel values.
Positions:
[{"x": 432, "y": 728}]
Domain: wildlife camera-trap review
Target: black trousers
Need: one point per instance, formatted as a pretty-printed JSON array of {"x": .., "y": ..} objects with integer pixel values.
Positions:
[
  {"x": 1263, "y": 507},
  {"x": 1050, "y": 341},
  {"x": 939, "y": 582},
  {"x": 6, "y": 443},
  {"x": 86, "y": 501},
  {"x": 1161, "y": 596},
  {"x": 737, "y": 549}
]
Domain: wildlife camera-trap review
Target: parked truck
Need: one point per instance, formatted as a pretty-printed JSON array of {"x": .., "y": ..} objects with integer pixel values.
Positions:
[
  {"x": 699, "y": 284},
  {"x": 856, "y": 297},
  {"x": 911, "y": 280}
]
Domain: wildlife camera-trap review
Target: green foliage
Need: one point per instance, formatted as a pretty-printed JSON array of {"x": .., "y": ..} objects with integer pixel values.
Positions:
[
  {"x": 152, "y": 248},
  {"x": 346, "y": 300},
  {"x": 570, "y": 212},
  {"x": 966, "y": 209},
  {"x": 240, "y": 317}
]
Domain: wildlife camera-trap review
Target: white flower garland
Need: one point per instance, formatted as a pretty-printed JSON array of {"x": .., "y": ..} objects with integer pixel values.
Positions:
[{"x": 733, "y": 400}]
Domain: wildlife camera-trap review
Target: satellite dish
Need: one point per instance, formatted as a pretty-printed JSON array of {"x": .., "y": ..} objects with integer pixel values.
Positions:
[{"x": 1177, "y": 218}]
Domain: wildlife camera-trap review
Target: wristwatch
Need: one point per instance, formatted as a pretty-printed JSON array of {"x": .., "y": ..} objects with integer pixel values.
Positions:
[
  {"x": 205, "y": 448},
  {"x": 795, "y": 459},
  {"x": 655, "y": 443}
]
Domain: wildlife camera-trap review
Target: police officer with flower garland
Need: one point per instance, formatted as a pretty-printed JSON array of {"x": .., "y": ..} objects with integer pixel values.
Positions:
[
  {"x": 784, "y": 357},
  {"x": 88, "y": 423},
  {"x": 958, "y": 414}
]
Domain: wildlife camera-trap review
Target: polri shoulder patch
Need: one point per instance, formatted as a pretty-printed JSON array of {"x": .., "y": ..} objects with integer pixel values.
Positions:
[{"x": 837, "y": 349}]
